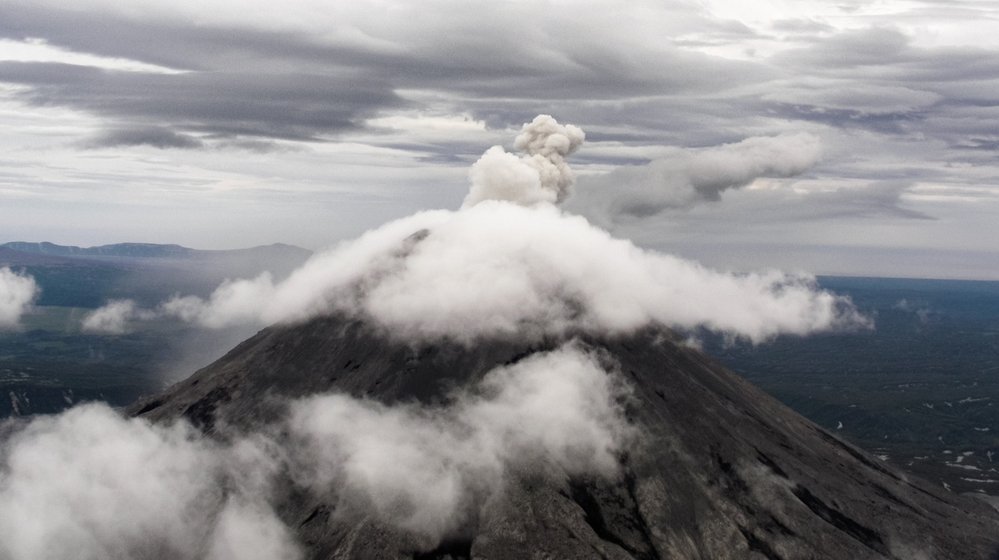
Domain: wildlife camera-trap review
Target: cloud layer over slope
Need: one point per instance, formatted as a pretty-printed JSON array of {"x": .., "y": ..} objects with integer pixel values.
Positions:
[{"x": 89, "y": 484}]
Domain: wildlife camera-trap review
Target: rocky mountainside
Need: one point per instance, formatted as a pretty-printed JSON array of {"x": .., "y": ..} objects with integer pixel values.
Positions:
[{"x": 721, "y": 470}]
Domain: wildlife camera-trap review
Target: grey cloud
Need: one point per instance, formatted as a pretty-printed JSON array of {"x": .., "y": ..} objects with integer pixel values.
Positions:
[
  {"x": 883, "y": 55},
  {"x": 990, "y": 144},
  {"x": 792, "y": 206},
  {"x": 877, "y": 199},
  {"x": 802, "y": 25},
  {"x": 864, "y": 47},
  {"x": 298, "y": 106},
  {"x": 895, "y": 123},
  {"x": 294, "y": 86},
  {"x": 156, "y": 137},
  {"x": 897, "y": 108}
]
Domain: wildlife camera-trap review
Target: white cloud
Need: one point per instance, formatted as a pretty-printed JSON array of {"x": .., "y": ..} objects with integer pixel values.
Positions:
[
  {"x": 427, "y": 469},
  {"x": 89, "y": 484},
  {"x": 39, "y": 50},
  {"x": 498, "y": 269},
  {"x": 248, "y": 531},
  {"x": 234, "y": 302},
  {"x": 17, "y": 292},
  {"x": 113, "y": 317}
]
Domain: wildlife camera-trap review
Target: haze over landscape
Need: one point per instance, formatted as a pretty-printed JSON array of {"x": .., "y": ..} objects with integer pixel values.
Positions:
[{"x": 523, "y": 227}]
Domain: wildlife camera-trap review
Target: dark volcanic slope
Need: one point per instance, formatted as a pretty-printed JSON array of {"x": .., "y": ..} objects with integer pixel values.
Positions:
[{"x": 726, "y": 472}]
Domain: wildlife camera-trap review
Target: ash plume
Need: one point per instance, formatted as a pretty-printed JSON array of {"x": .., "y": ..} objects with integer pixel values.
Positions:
[
  {"x": 684, "y": 178},
  {"x": 17, "y": 292}
]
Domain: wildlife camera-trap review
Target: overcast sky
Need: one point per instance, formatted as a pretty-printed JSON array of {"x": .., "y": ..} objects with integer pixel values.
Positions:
[{"x": 850, "y": 137}]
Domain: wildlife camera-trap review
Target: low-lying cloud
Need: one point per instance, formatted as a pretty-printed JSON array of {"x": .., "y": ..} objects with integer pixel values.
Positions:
[
  {"x": 500, "y": 270},
  {"x": 89, "y": 484},
  {"x": 684, "y": 178},
  {"x": 114, "y": 317},
  {"x": 427, "y": 469},
  {"x": 17, "y": 292}
]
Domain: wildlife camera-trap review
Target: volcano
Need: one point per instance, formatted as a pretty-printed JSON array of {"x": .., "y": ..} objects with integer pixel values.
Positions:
[{"x": 718, "y": 469}]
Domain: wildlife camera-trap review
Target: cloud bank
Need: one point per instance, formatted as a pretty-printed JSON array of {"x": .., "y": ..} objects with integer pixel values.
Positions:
[
  {"x": 17, "y": 292},
  {"x": 499, "y": 270},
  {"x": 510, "y": 263},
  {"x": 89, "y": 484}
]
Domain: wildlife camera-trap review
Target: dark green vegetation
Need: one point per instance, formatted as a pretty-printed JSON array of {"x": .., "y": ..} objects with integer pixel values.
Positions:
[
  {"x": 50, "y": 365},
  {"x": 921, "y": 390}
]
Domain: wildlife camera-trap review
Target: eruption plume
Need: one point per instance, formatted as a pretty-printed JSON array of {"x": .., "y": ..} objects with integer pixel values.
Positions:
[{"x": 540, "y": 175}]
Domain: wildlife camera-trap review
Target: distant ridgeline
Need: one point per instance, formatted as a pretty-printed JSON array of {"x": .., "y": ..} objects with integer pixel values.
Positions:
[
  {"x": 148, "y": 273},
  {"x": 135, "y": 250}
]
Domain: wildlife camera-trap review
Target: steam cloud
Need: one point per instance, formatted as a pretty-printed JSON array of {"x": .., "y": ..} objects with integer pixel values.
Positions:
[
  {"x": 17, "y": 293},
  {"x": 88, "y": 484},
  {"x": 541, "y": 175},
  {"x": 684, "y": 178}
]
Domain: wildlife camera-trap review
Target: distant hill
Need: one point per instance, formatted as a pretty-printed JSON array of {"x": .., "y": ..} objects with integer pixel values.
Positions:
[
  {"x": 147, "y": 250},
  {"x": 141, "y": 250}
]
